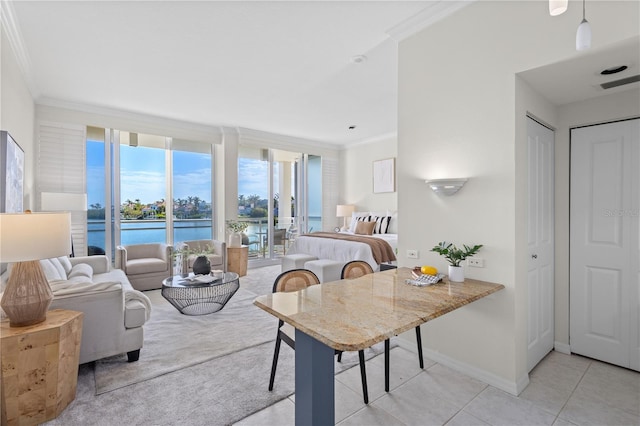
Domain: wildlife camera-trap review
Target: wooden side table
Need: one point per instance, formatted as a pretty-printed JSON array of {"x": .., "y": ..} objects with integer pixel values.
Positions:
[
  {"x": 237, "y": 258},
  {"x": 39, "y": 367}
]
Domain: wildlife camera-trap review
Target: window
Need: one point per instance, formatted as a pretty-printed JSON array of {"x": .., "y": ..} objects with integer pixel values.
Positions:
[{"x": 130, "y": 180}]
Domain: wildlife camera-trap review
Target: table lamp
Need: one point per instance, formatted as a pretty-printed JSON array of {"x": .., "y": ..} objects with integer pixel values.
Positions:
[
  {"x": 345, "y": 211},
  {"x": 65, "y": 202},
  {"x": 26, "y": 238}
]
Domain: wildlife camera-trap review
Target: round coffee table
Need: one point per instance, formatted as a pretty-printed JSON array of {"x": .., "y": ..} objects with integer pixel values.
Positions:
[{"x": 191, "y": 297}]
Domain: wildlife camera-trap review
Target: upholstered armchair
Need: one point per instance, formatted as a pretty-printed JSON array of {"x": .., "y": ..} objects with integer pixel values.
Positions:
[
  {"x": 146, "y": 265},
  {"x": 215, "y": 250}
]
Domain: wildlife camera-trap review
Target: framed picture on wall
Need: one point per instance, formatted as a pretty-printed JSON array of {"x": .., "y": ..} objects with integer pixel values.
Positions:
[
  {"x": 384, "y": 175},
  {"x": 11, "y": 174}
]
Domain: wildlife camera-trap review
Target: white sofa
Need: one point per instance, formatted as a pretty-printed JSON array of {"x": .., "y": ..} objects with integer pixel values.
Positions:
[{"x": 114, "y": 312}]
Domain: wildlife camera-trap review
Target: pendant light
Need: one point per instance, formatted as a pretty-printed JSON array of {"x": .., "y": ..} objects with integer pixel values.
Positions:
[
  {"x": 557, "y": 7},
  {"x": 583, "y": 36}
]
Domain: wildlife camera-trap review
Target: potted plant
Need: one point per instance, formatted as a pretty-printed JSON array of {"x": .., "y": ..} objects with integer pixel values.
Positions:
[
  {"x": 454, "y": 256},
  {"x": 236, "y": 228}
]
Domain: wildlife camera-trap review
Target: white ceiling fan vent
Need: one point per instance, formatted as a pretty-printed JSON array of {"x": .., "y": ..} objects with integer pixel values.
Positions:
[{"x": 621, "y": 82}]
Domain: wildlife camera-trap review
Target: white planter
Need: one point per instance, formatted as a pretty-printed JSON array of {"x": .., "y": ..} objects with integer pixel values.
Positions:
[
  {"x": 235, "y": 239},
  {"x": 456, "y": 274}
]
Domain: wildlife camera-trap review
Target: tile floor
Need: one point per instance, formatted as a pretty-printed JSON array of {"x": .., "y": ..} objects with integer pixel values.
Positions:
[{"x": 563, "y": 390}]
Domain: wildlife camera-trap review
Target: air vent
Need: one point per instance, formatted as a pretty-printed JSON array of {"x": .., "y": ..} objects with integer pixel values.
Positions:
[{"x": 621, "y": 82}]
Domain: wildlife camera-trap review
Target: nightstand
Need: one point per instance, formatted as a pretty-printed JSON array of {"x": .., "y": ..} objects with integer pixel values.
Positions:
[{"x": 40, "y": 367}]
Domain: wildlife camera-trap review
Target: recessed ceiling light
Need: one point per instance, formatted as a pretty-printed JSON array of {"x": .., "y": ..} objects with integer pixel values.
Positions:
[
  {"x": 613, "y": 70},
  {"x": 352, "y": 127},
  {"x": 358, "y": 59}
]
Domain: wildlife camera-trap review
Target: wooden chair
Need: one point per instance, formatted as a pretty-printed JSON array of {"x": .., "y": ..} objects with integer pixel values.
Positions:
[
  {"x": 294, "y": 280},
  {"x": 356, "y": 269}
]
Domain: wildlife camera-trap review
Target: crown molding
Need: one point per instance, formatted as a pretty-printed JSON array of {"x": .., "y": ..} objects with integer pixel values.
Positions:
[
  {"x": 145, "y": 120},
  {"x": 426, "y": 17},
  {"x": 280, "y": 141},
  {"x": 374, "y": 139},
  {"x": 14, "y": 35}
]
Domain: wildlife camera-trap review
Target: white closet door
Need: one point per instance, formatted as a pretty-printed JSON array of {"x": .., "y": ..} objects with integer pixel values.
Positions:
[
  {"x": 540, "y": 239},
  {"x": 604, "y": 274}
]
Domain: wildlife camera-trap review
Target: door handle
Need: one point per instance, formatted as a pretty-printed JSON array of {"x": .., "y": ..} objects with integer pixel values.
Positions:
[{"x": 534, "y": 256}]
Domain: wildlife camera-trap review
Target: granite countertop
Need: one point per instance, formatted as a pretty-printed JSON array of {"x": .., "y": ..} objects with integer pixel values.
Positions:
[{"x": 350, "y": 315}]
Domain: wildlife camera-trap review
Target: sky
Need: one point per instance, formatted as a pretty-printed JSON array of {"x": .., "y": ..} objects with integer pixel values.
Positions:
[{"x": 142, "y": 174}]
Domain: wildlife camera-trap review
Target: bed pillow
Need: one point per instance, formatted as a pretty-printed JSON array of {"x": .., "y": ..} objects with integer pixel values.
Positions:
[
  {"x": 358, "y": 216},
  {"x": 382, "y": 224},
  {"x": 365, "y": 227},
  {"x": 393, "y": 223}
]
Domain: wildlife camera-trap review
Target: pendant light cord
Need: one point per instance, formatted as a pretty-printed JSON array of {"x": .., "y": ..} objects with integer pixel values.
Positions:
[{"x": 583, "y": 9}]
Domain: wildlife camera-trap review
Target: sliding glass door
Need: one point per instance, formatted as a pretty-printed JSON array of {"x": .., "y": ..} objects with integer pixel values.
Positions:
[
  {"x": 274, "y": 196},
  {"x": 146, "y": 189}
]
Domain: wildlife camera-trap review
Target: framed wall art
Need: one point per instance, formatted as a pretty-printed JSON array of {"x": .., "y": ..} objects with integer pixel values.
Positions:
[
  {"x": 384, "y": 175},
  {"x": 11, "y": 174}
]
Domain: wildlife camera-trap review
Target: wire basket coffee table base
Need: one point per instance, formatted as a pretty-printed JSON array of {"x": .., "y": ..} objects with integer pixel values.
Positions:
[{"x": 201, "y": 299}]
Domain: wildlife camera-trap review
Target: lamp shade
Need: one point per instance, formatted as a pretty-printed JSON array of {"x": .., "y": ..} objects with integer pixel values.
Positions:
[
  {"x": 34, "y": 236},
  {"x": 345, "y": 210},
  {"x": 557, "y": 7},
  {"x": 63, "y": 201}
]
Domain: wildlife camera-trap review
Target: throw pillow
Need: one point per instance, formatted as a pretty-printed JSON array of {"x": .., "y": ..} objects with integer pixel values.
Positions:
[
  {"x": 53, "y": 270},
  {"x": 365, "y": 228},
  {"x": 358, "y": 216},
  {"x": 81, "y": 270},
  {"x": 382, "y": 224},
  {"x": 66, "y": 264}
]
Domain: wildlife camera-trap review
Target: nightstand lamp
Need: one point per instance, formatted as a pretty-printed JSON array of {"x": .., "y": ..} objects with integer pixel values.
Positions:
[
  {"x": 344, "y": 211},
  {"x": 26, "y": 238}
]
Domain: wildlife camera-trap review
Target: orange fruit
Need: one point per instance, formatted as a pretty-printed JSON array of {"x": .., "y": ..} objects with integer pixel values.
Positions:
[{"x": 428, "y": 270}]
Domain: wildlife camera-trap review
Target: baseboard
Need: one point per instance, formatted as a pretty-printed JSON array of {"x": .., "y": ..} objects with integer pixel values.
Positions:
[
  {"x": 513, "y": 388},
  {"x": 563, "y": 348}
]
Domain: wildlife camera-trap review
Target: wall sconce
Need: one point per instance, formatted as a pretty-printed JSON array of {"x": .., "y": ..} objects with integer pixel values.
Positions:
[{"x": 446, "y": 186}]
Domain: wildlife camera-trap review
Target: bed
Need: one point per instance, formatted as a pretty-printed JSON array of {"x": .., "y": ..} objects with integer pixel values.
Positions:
[{"x": 345, "y": 250}]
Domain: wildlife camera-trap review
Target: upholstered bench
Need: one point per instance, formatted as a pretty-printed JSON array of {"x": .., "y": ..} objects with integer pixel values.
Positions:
[
  {"x": 295, "y": 261},
  {"x": 326, "y": 269}
]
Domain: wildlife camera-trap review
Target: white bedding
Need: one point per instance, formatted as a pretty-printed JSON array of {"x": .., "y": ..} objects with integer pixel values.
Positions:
[{"x": 344, "y": 251}]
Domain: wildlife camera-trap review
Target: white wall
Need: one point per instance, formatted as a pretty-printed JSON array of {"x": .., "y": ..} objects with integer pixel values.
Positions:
[
  {"x": 457, "y": 118},
  {"x": 357, "y": 169},
  {"x": 17, "y": 112}
]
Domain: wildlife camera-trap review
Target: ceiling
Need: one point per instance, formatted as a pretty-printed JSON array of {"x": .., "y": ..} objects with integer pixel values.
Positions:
[
  {"x": 283, "y": 67},
  {"x": 579, "y": 79},
  {"x": 276, "y": 66}
]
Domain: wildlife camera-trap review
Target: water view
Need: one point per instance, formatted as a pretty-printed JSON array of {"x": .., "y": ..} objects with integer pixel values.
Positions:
[{"x": 154, "y": 231}]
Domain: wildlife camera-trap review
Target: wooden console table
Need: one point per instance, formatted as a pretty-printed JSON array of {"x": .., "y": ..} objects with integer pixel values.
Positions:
[
  {"x": 40, "y": 367},
  {"x": 237, "y": 258}
]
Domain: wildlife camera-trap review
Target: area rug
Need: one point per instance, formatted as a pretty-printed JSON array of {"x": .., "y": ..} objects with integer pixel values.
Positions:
[{"x": 173, "y": 341}]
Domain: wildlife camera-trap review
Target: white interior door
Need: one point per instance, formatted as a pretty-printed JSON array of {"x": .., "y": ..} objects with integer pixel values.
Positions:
[
  {"x": 540, "y": 144},
  {"x": 604, "y": 242}
]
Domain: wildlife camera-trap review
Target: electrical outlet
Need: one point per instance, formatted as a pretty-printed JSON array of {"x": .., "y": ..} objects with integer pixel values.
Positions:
[
  {"x": 475, "y": 262},
  {"x": 412, "y": 254}
]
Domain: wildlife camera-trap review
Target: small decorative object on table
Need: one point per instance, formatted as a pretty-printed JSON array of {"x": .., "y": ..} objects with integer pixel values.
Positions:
[
  {"x": 236, "y": 229},
  {"x": 454, "y": 256},
  {"x": 202, "y": 265}
]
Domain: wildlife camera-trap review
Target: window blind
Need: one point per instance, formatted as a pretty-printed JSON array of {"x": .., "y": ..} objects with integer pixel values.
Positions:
[{"x": 61, "y": 167}]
